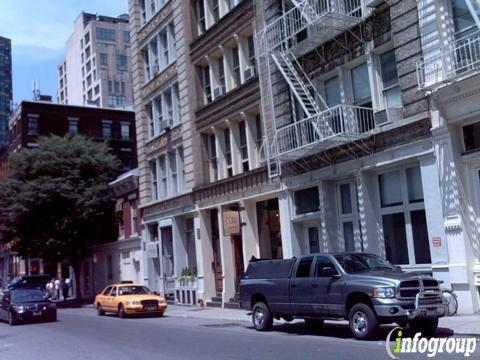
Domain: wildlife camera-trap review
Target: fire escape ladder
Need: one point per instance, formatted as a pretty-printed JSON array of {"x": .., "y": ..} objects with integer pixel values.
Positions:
[
  {"x": 299, "y": 83},
  {"x": 306, "y": 9},
  {"x": 474, "y": 7}
]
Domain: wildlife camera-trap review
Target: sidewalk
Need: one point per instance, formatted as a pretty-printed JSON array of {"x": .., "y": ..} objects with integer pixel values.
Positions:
[{"x": 459, "y": 324}]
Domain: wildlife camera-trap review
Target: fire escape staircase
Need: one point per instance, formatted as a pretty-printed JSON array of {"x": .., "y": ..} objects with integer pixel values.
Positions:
[
  {"x": 474, "y": 7},
  {"x": 278, "y": 42}
]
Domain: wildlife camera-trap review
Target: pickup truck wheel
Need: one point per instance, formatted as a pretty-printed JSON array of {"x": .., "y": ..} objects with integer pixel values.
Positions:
[
  {"x": 427, "y": 327},
  {"x": 363, "y": 321},
  {"x": 262, "y": 317},
  {"x": 314, "y": 324}
]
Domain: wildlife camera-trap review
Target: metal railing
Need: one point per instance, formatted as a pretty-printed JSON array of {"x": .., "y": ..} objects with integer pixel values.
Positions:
[
  {"x": 283, "y": 31},
  {"x": 458, "y": 59},
  {"x": 341, "y": 123}
]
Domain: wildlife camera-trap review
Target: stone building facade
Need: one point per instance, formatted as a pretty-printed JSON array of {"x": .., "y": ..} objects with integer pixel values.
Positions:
[{"x": 303, "y": 129}]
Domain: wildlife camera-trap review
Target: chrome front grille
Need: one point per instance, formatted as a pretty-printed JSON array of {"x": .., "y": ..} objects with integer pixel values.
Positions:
[
  {"x": 149, "y": 302},
  {"x": 408, "y": 289}
]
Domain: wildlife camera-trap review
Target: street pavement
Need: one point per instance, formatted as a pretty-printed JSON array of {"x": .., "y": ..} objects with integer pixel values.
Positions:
[{"x": 81, "y": 334}]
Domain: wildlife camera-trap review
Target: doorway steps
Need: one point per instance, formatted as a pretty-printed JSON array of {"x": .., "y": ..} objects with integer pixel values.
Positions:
[{"x": 216, "y": 301}]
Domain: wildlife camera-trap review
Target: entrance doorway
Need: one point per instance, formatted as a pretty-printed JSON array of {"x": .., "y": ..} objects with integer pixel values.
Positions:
[
  {"x": 270, "y": 238},
  {"x": 238, "y": 259},
  {"x": 217, "y": 258}
]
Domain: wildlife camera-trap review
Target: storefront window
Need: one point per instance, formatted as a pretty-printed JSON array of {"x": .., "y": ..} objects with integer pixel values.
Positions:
[
  {"x": 395, "y": 237},
  {"x": 390, "y": 189},
  {"x": 403, "y": 216},
  {"x": 313, "y": 240}
]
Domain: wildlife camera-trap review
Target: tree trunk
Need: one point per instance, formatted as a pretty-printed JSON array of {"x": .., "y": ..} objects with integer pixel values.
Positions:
[{"x": 77, "y": 267}]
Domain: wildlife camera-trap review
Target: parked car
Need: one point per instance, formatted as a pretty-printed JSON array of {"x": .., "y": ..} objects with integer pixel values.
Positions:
[
  {"x": 26, "y": 305},
  {"x": 363, "y": 288},
  {"x": 29, "y": 282},
  {"x": 128, "y": 299}
]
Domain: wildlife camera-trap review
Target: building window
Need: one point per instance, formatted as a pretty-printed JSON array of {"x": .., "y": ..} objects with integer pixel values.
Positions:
[
  {"x": 181, "y": 169},
  {"x": 236, "y": 66},
  {"x": 172, "y": 162},
  {"x": 463, "y": 22},
  {"x": 391, "y": 89},
  {"x": 212, "y": 157},
  {"x": 121, "y": 61},
  {"x": 259, "y": 130},
  {"x": 307, "y": 201},
  {"x": 125, "y": 131},
  {"x": 228, "y": 152},
  {"x": 117, "y": 101},
  {"x": 221, "y": 77},
  {"x": 126, "y": 37},
  {"x": 207, "y": 88},
  {"x": 243, "y": 146},
  {"x": 32, "y": 125},
  {"x": 361, "y": 86},
  {"x": 403, "y": 216},
  {"x": 107, "y": 130},
  {"x": 216, "y": 10},
  {"x": 151, "y": 122},
  {"x": 103, "y": 59},
  {"x": 154, "y": 177},
  {"x": 471, "y": 137},
  {"x": 72, "y": 127},
  {"x": 162, "y": 169},
  {"x": 349, "y": 220},
  {"x": 251, "y": 51},
  {"x": 106, "y": 34},
  {"x": 332, "y": 92},
  {"x": 202, "y": 27}
]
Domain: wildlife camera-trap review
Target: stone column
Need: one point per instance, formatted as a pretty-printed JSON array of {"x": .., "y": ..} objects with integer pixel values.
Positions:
[{"x": 204, "y": 251}]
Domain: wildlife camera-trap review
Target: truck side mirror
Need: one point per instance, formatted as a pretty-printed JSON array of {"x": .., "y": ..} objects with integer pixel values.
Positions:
[{"x": 329, "y": 271}]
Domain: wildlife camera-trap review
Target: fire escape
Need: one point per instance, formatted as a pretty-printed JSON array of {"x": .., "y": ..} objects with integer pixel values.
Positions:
[
  {"x": 459, "y": 59},
  {"x": 301, "y": 29}
]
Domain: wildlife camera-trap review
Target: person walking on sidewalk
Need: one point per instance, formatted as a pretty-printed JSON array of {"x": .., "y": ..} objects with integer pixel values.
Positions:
[
  {"x": 65, "y": 289},
  {"x": 57, "y": 289},
  {"x": 50, "y": 285}
]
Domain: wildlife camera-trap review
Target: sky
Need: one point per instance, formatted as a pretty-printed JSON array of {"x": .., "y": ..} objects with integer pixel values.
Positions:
[{"x": 38, "y": 30}]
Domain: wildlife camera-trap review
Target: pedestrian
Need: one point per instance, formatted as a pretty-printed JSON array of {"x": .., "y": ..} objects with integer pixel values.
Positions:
[
  {"x": 57, "y": 289},
  {"x": 49, "y": 288},
  {"x": 65, "y": 289}
]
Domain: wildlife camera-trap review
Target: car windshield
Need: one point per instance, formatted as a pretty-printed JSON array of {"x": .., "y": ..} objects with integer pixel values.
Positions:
[
  {"x": 353, "y": 263},
  {"x": 133, "y": 290},
  {"x": 27, "y": 295}
]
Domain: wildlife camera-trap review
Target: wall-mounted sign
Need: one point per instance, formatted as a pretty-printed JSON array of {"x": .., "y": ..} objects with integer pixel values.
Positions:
[
  {"x": 151, "y": 250},
  {"x": 231, "y": 222},
  {"x": 437, "y": 241}
]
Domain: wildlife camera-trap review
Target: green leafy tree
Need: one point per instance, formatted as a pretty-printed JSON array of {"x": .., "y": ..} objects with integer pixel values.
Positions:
[{"x": 55, "y": 202}]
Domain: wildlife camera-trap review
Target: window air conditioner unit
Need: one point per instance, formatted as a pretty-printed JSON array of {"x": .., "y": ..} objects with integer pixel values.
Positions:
[
  {"x": 155, "y": 68},
  {"x": 249, "y": 73},
  {"x": 219, "y": 91},
  {"x": 387, "y": 116}
]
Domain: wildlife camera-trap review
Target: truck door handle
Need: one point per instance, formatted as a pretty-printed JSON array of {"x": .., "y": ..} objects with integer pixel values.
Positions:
[{"x": 315, "y": 285}]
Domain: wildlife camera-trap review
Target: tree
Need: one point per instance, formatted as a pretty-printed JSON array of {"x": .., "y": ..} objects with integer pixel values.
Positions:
[{"x": 55, "y": 202}]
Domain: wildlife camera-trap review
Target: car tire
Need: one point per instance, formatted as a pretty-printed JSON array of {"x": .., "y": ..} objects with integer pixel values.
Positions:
[
  {"x": 160, "y": 314},
  {"x": 12, "y": 319},
  {"x": 363, "y": 321},
  {"x": 427, "y": 327},
  {"x": 100, "y": 311},
  {"x": 262, "y": 318},
  {"x": 53, "y": 318},
  {"x": 121, "y": 311},
  {"x": 314, "y": 324}
]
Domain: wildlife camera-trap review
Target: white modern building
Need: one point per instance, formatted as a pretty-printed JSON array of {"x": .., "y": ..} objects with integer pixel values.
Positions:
[{"x": 95, "y": 68}]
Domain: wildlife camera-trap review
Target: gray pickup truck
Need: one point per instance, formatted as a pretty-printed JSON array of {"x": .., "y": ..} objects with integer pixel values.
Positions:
[{"x": 362, "y": 288}]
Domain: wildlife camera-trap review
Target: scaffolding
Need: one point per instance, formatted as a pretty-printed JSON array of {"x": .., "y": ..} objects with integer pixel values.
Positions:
[{"x": 299, "y": 30}]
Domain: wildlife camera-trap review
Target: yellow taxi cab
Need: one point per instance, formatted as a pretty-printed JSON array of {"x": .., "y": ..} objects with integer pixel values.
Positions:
[{"x": 128, "y": 299}]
